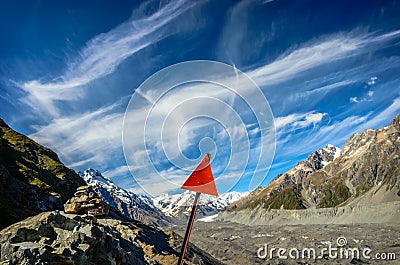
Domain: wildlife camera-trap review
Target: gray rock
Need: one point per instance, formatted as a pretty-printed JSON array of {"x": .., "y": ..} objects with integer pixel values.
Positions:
[{"x": 59, "y": 238}]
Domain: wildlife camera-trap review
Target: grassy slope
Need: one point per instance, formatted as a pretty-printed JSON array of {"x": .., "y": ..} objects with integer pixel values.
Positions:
[{"x": 29, "y": 172}]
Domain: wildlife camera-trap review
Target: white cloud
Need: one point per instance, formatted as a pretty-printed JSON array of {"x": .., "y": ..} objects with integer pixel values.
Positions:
[
  {"x": 163, "y": 182},
  {"x": 309, "y": 140},
  {"x": 302, "y": 78},
  {"x": 366, "y": 97},
  {"x": 175, "y": 139},
  {"x": 284, "y": 121},
  {"x": 311, "y": 118},
  {"x": 372, "y": 81},
  {"x": 314, "y": 94},
  {"x": 299, "y": 120},
  {"x": 254, "y": 131},
  {"x": 354, "y": 99}
]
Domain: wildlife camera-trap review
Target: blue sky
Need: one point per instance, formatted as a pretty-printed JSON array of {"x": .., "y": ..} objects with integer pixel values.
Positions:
[{"x": 69, "y": 68}]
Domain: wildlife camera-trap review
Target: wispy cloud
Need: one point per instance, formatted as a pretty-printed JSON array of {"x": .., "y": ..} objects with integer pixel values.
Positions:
[
  {"x": 307, "y": 141},
  {"x": 384, "y": 116},
  {"x": 300, "y": 60},
  {"x": 299, "y": 120},
  {"x": 117, "y": 171},
  {"x": 295, "y": 83},
  {"x": 90, "y": 138},
  {"x": 322, "y": 51},
  {"x": 105, "y": 52},
  {"x": 101, "y": 56}
]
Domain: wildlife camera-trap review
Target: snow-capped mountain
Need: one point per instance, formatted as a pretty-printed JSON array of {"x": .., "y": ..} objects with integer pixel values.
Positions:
[
  {"x": 138, "y": 207},
  {"x": 160, "y": 210},
  {"x": 315, "y": 161},
  {"x": 179, "y": 205},
  {"x": 328, "y": 154}
]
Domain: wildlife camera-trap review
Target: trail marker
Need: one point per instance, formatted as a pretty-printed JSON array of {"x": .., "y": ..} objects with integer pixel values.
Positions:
[{"x": 201, "y": 181}]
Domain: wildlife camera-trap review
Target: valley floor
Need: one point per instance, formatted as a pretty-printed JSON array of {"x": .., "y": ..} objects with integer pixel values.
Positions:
[{"x": 234, "y": 243}]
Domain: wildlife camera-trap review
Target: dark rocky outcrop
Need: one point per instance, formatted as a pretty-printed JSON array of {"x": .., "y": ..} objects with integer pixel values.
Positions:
[{"x": 32, "y": 178}]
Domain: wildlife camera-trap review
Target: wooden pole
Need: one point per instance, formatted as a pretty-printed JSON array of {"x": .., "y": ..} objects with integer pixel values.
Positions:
[{"x": 189, "y": 229}]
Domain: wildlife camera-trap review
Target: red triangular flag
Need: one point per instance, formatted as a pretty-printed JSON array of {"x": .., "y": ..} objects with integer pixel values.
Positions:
[{"x": 201, "y": 180}]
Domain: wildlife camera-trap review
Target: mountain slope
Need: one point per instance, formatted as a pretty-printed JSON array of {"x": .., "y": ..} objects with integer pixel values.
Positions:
[
  {"x": 285, "y": 191},
  {"x": 369, "y": 159},
  {"x": 328, "y": 179},
  {"x": 32, "y": 178},
  {"x": 131, "y": 205}
]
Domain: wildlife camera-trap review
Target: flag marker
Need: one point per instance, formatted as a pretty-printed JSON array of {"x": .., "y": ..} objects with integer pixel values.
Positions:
[{"x": 201, "y": 181}]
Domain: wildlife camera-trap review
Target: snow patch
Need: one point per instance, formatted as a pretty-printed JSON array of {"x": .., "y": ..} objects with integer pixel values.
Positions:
[
  {"x": 262, "y": 235},
  {"x": 208, "y": 219}
]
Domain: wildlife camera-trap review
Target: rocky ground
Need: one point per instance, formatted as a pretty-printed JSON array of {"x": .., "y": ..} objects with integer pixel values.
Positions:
[
  {"x": 234, "y": 243},
  {"x": 59, "y": 238}
]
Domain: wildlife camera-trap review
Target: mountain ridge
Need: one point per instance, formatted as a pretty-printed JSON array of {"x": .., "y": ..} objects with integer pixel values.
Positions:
[
  {"x": 367, "y": 160},
  {"x": 284, "y": 187}
]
